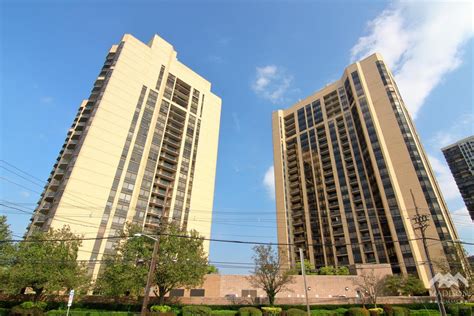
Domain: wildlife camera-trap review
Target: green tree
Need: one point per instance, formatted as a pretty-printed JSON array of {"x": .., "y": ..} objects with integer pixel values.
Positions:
[
  {"x": 403, "y": 285},
  {"x": 212, "y": 269},
  {"x": 7, "y": 251},
  {"x": 126, "y": 270},
  {"x": 342, "y": 271},
  {"x": 182, "y": 261},
  {"x": 47, "y": 263},
  {"x": 268, "y": 273},
  {"x": 328, "y": 270}
]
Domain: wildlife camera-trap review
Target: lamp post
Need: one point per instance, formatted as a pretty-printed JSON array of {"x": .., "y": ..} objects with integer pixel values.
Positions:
[
  {"x": 156, "y": 248},
  {"x": 151, "y": 271}
]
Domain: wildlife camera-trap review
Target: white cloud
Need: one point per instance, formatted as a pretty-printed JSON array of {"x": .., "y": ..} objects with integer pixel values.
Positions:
[
  {"x": 421, "y": 42},
  {"x": 462, "y": 128},
  {"x": 269, "y": 182},
  {"x": 272, "y": 83},
  {"x": 445, "y": 178}
]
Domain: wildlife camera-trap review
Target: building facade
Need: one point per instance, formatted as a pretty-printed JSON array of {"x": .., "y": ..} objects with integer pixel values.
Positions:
[
  {"x": 350, "y": 172},
  {"x": 460, "y": 158},
  {"x": 144, "y": 141}
]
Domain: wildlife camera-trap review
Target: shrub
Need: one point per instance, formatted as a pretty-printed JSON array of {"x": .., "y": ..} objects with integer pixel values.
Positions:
[
  {"x": 160, "y": 308},
  {"x": 20, "y": 311},
  {"x": 333, "y": 312},
  {"x": 295, "y": 312},
  {"x": 4, "y": 312},
  {"x": 460, "y": 309},
  {"x": 269, "y": 310},
  {"x": 375, "y": 311},
  {"x": 426, "y": 312},
  {"x": 358, "y": 311},
  {"x": 249, "y": 311},
  {"x": 388, "y": 310},
  {"x": 223, "y": 312},
  {"x": 29, "y": 305},
  {"x": 323, "y": 312},
  {"x": 400, "y": 311},
  {"x": 196, "y": 310},
  {"x": 465, "y": 310},
  {"x": 87, "y": 312}
]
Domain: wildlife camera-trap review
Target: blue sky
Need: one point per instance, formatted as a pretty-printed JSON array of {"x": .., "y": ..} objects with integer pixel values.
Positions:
[{"x": 259, "y": 56}]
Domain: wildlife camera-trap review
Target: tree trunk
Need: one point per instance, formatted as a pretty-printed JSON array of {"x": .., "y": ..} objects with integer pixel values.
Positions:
[
  {"x": 271, "y": 299},
  {"x": 162, "y": 293}
]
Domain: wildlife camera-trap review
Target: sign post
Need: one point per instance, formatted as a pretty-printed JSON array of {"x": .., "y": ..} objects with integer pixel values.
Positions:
[{"x": 69, "y": 302}]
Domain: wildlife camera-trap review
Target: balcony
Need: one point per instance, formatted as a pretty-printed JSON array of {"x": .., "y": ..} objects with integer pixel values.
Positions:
[
  {"x": 294, "y": 184},
  {"x": 67, "y": 153},
  {"x": 171, "y": 141},
  {"x": 40, "y": 219},
  {"x": 167, "y": 165},
  {"x": 300, "y": 240},
  {"x": 169, "y": 157},
  {"x": 49, "y": 196},
  {"x": 157, "y": 202},
  {"x": 72, "y": 144},
  {"x": 174, "y": 129},
  {"x": 166, "y": 175},
  {"x": 173, "y": 135},
  {"x": 54, "y": 184},
  {"x": 45, "y": 208},
  {"x": 170, "y": 150}
]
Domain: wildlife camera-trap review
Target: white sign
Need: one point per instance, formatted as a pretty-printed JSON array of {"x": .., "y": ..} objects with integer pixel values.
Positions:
[
  {"x": 448, "y": 280},
  {"x": 71, "y": 297}
]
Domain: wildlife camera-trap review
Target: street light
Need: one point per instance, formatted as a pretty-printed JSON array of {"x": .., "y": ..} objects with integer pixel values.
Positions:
[
  {"x": 151, "y": 271},
  {"x": 144, "y": 235}
]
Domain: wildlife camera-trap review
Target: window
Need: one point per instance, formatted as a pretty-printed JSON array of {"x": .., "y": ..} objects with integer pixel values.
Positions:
[
  {"x": 197, "y": 292},
  {"x": 249, "y": 293},
  {"x": 177, "y": 293}
]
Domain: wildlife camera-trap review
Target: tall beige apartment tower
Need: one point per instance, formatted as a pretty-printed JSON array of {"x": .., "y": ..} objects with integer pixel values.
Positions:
[
  {"x": 347, "y": 160},
  {"x": 149, "y": 129}
]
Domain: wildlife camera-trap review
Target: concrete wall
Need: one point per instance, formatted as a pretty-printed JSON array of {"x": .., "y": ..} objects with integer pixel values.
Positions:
[{"x": 227, "y": 289}]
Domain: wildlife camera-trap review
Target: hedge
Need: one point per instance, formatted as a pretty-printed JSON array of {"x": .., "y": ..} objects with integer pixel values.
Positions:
[
  {"x": 400, "y": 311},
  {"x": 224, "y": 312},
  {"x": 249, "y": 311},
  {"x": 333, "y": 312},
  {"x": 4, "y": 311},
  {"x": 295, "y": 312},
  {"x": 357, "y": 311},
  {"x": 426, "y": 312},
  {"x": 196, "y": 310},
  {"x": 460, "y": 309},
  {"x": 76, "y": 312}
]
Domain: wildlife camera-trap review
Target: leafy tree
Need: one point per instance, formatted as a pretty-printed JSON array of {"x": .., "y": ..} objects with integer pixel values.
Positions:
[
  {"x": 47, "y": 262},
  {"x": 331, "y": 270},
  {"x": 328, "y": 270},
  {"x": 212, "y": 269},
  {"x": 342, "y": 271},
  {"x": 404, "y": 285},
  {"x": 125, "y": 271},
  {"x": 7, "y": 250},
  {"x": 268, "y": 273},
  {"x": 370, "y": 286},
  {"x": 182, "y": 261}
]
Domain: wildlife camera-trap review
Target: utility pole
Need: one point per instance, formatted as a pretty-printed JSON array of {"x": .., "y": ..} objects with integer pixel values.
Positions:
[
  {"x": 154, "y": 256},
  {"x": 303, "y": 273},
  {"x": 421, "y": 223}
]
